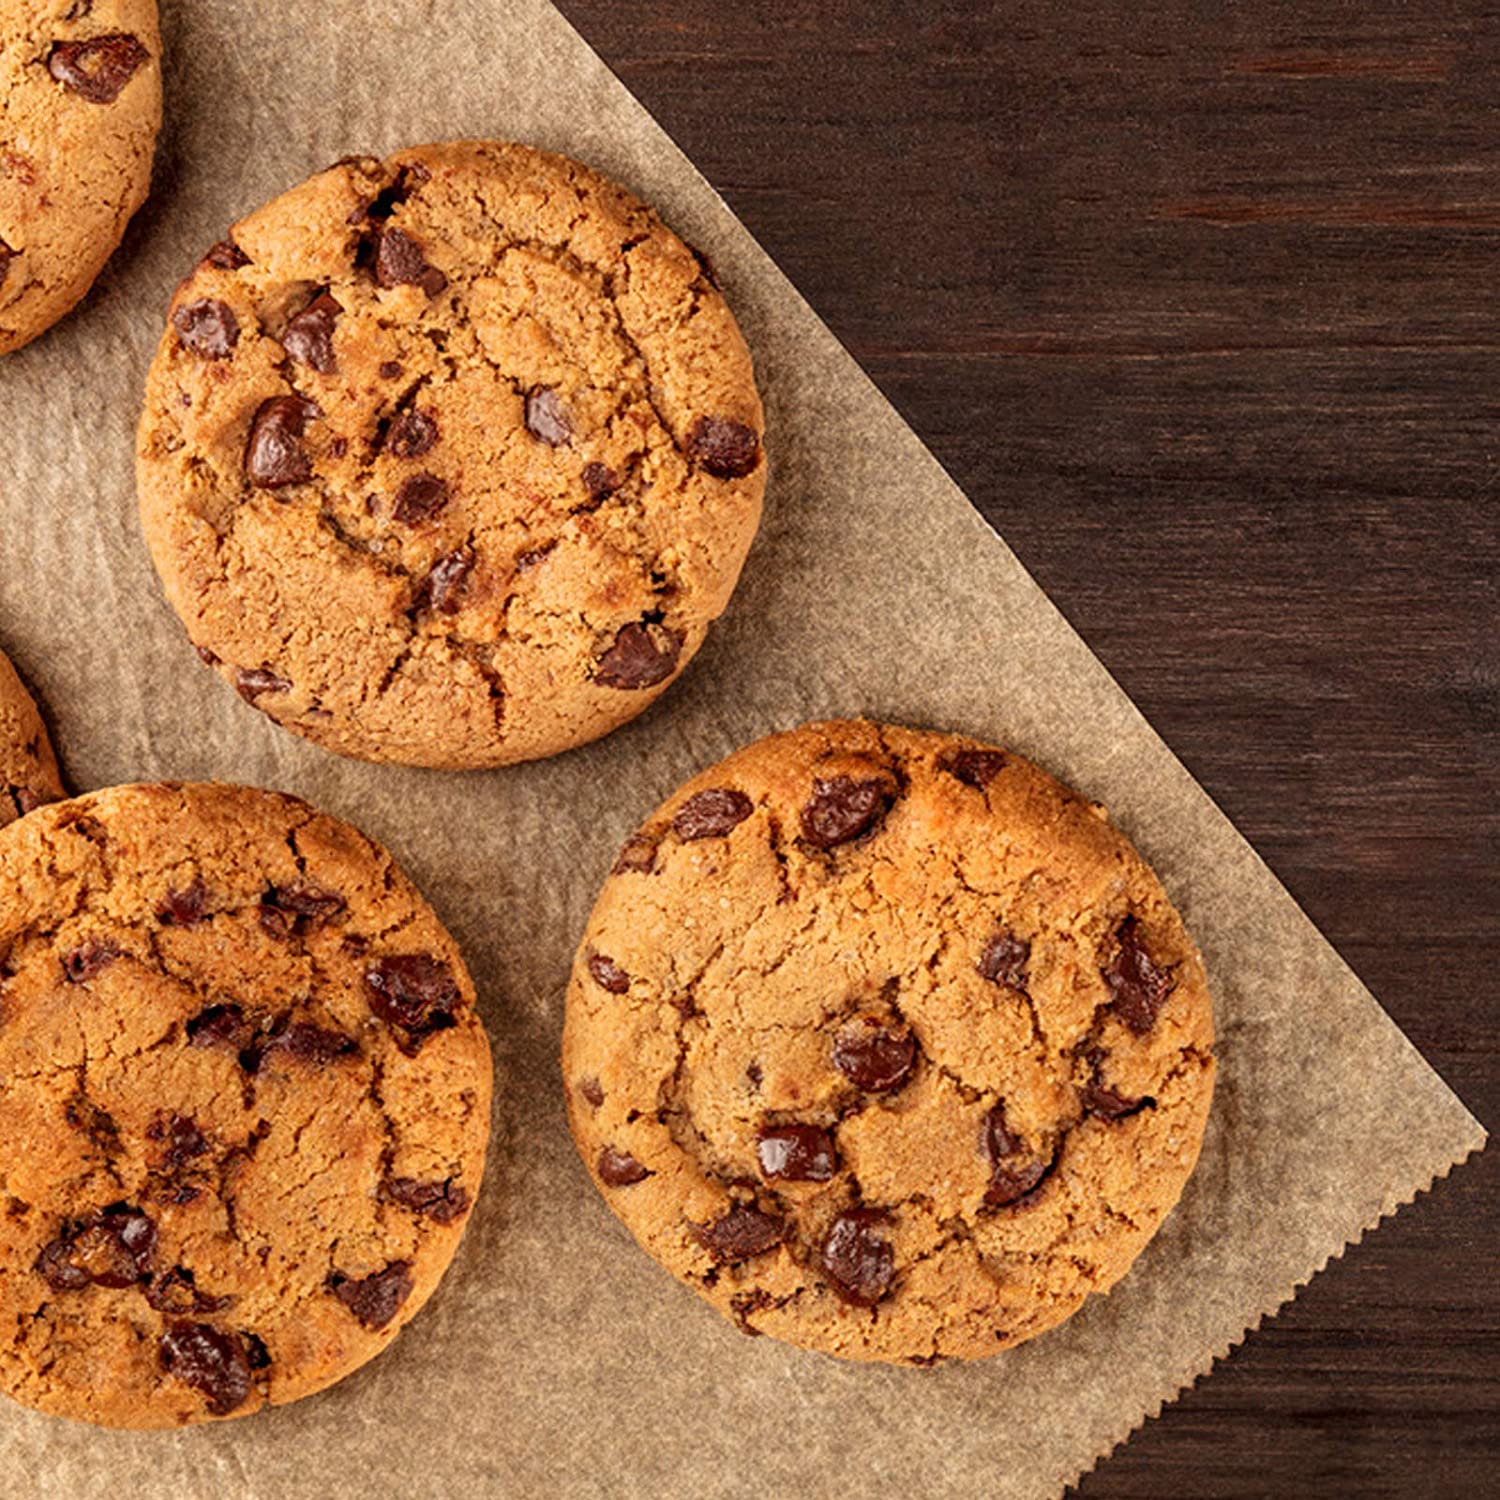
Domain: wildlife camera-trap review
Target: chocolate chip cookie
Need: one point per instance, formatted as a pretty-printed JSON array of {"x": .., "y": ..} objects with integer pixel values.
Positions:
[
  {"x": 28, "y": 768},
  {"x": 244, "y": 1097},
  {"x": 80, "y": 106},
  {"x": 887, "y": 1043},
  {"x": 451, "y": 459}
]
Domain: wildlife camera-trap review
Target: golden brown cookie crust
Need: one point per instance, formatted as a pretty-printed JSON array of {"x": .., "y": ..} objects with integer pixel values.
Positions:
[
  {"x": 245, "y": 1099},
  {"x": 28, "y": 769},
  {"x": 80, "y": 107},
  {"x": 887, "y": 1043},
  {"x": 451, "y": 459}
]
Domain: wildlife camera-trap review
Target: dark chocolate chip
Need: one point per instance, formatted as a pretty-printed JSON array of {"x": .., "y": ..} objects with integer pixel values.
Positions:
[
  {"x": 286, "y": 910},
  {"x": 182, "y": 1141},
  {"x": 304, "y": 1042},
  {"x": 253, "y": 681},
  {"x": 976, "y": 768},
  {"x": 712, "y": 814},
  {"x": 114, "y": 1247},
  {"x": 442, "y": 1202},
  {"x": 875, "y": 1055},
  {"x": 1013, "y": 1173},
  {"x": 375, "y": 1299},
  {"x": 1003, "y": 959},
  {"x": 419, "y": 499},
  {"x": 411, "y": 434},
  {"x": 1110, "y": 1105},
  {"x": 88, "y": 959},
  {"x": 728, "y": 450},
  {"x": 226, "y": 256},
  {"x": 599, "y": 482},
  {"x": 391, "y": 370},
  {"x": 527, "y": 560},
  {"x": 608, "y": 975},
  {"x": 443, "y": 588},
  {"x": 642, "y": 655},
  {"x": 175, "y": 1294},
  {"x": 741, "y": 1233},
  {"x": 1139, "y": 989},
  {"x": 220, "y": 1026},
  {"x": 620, "y": 1168},
  {"x": 400, "y": 260},
  {"x": 214, "y": 1362},
  {"x": 546, "y": 419},
  {"x": 796, "y": 1153},
  {"x": 97, "y": 1124},
  {"x": 208, "y": 327},
  {"x": 98, "y": 68},
  {"x": 274, "y": 455},
  {"x": 414, "y": 992},
  {"x": 842, "y": 809},
  {"x": 308, "y": 338},
  {"x": 185, "y": 907},
  {"x": 637, "y": 855},
  {"x": 592, "y": 1091},
  {"x": 857, "y": 1258}
]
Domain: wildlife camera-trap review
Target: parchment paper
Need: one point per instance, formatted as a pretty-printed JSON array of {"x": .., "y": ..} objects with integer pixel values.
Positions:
[{"x": 557, "y": 1359}]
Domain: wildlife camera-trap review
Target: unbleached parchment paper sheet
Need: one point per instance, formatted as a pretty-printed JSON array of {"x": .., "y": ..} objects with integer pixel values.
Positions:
[{"x": 557, "y": 1359}]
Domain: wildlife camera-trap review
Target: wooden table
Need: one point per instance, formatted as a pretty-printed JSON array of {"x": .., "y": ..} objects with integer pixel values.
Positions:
[{"x": 1198, "y": 302}]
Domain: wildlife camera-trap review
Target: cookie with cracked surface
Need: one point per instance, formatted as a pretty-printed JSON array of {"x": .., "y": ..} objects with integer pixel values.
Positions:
[
  {"x": 80, "y": 107},
  {"x": 244, "y": 1095},
  {"x": 451, "y": 459},
  {"x": 887, "y": 1043},
  {"x": 28, "y": 769}
]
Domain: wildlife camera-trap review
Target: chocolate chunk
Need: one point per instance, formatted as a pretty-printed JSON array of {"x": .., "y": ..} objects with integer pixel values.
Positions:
[
  {"x": 637, "y": 855},
  {"x": 175, "y": 1294},
  {"x": 114, "y": 1247},
  {"x": 1139, "y": 989},
  {"x": 545, "y": 418},
  {"x": 443, "y": 589},
  {"x": 874, "y": 1054},
  {"x": 208, "y": 327},
  {"x": 220, "y": 1026},
  {"x": 642, "y": 655},
  {"x": 442, "y": 1202},
  {"x": 599, "y": 483},
  {"x": 414, "y": 992},
  {"x": 528, "y": 559},
  {"x": 400, "y": 260},
  {"x": 411, "y": 434},
  {"x": 182, "y": 1141},
  {"x": 728, "y": 450},
  {"x": 391, "y": 370},
  {"x": 207, "y": 657},
  {"x": 419, "y": 499},
  {"x": 843, "y": 809},
  {"x": 1110, "y": 1105},
  {"x": 286, "y": 910},
  {"x": 741, "y": 1233},
  {"x": 185, "y": 907},
  {"x": 214, "y": 1362},
  {"x": 97, "y": 1124},
  {"x": 976, "y": 768},
  {"x": 607, "y": 974},
  {"x": 796, "y": 1153},
  {"x": 620, "y": 1168},
  {"x": 857, "y": 1259},
  {"x": 375, "y": 1299},
  {"x": 253, "y": 681},
  {"x": 88, "y": 959},
  {"x": 1003, "y": 959},
  {"x": 712, "y": 814},
  {"x": 226, "y": 256},
  {"x": 308, "y": 338},
  {"x": 592, "y": 1091},
  {"x": 1013, "y": 1173},
  {"x": 307, "y": 1043},
  {"x": 274, "y": 455},
  {"x": 99, "y": 68}
]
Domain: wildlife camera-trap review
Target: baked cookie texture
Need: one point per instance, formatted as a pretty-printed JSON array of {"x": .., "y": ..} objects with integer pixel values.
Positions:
[
  {"x": 887, "y": 1043},
  {"x": 244, "y": 1096},
  {"x": 80, "y": 107},
  {"x": 451, "y": 459},
  {"x": 28, "y": 769}
]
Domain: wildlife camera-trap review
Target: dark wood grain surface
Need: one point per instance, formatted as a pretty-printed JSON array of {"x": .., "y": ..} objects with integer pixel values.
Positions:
[{"x": 1198, "y": 302}]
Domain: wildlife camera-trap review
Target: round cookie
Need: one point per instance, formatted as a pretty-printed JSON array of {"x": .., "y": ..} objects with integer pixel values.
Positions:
[
  {"x": 887, "y": 1043},
  {"x": 80, "y": 106},
  {"x": 245, "y": 1099},
  {"x": 451, "y": 459},
  {"x": 28, "y": 769}
]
